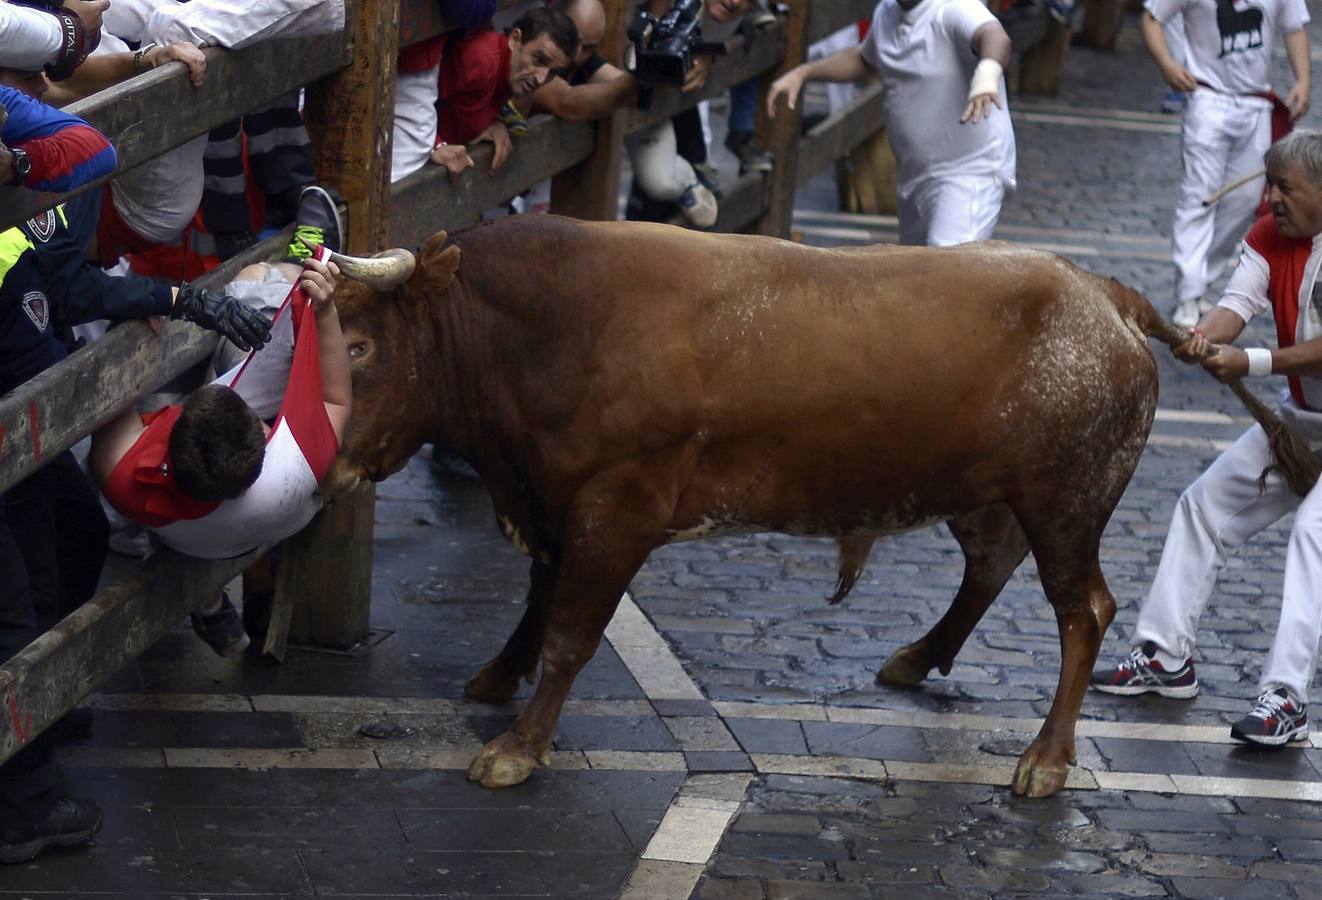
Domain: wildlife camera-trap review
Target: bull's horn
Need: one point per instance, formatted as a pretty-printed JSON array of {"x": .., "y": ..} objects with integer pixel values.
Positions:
[{"x": 381, "y": 271}]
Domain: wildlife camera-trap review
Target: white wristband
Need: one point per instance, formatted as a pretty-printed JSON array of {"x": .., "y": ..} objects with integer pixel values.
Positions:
[
  {"x": 986, "y": 78},
  {"x": 1260, "y": 361}
]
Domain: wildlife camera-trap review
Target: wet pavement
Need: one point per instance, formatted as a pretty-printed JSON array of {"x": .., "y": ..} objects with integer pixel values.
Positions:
[{"x": 728, "y": 740}]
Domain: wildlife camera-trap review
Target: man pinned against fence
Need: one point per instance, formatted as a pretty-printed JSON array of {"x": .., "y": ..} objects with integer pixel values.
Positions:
[
  {"x": 236, "y": 465},
  {"x": 1230, "y": 119},
  {"x": 941, "y": 62},
  {"x": 1225, "y": 506},
  {"x": 481, "y": 72}
]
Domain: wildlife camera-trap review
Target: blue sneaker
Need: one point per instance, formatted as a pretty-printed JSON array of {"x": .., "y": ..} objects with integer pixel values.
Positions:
[
  {"x": 1140, "y": 673},
  {"x": 1276, "y": 719},
  {"x": 222, "y": 630}
]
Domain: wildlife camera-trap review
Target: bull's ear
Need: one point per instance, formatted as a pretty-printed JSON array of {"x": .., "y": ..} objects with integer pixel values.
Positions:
[{"x": 437, "y": 264}]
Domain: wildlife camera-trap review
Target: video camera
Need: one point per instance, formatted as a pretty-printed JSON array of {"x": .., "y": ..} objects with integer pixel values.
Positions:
[{"x": 663, "y": 49}]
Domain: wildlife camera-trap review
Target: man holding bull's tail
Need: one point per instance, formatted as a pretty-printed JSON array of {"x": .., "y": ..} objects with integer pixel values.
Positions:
[{"x": 1278, "y": 274}]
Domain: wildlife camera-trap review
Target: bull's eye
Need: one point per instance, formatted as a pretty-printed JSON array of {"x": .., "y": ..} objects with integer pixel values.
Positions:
[{"x": 357, "y": 349}]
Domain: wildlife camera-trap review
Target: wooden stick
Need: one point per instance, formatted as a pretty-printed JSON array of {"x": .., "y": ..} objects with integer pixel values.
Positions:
[{"x": 1237, "y": 183}]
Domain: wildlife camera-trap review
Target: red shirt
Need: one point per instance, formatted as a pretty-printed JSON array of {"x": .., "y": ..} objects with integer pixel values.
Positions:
[
  {"x": 423, "y": 55},
  {"x": 474, "y": 85}
]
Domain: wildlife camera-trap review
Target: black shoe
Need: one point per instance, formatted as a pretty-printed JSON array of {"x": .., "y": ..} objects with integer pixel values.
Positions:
[
  {"x": 317, "y": 222},
  {"x": 257, "y": 614},
  {"x": 751, "y": 156},
  {"x": 70, "y": 822}
]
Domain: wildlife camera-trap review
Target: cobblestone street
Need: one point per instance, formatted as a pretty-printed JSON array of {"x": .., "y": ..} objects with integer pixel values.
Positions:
[{"x": 728, "y": 741}]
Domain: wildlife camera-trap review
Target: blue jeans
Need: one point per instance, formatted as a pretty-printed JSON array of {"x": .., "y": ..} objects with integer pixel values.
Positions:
[{"x": 743, "y": 106}]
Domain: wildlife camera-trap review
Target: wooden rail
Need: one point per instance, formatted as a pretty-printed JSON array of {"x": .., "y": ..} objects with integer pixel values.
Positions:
[{"x": 348, "y": 114}]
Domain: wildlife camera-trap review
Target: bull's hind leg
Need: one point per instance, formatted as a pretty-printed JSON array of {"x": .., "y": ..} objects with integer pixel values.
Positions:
[
  {"x": 498, "y": 680},
  {"x": 1072, "y": 579},
  {"x": 994, "y": 545}
]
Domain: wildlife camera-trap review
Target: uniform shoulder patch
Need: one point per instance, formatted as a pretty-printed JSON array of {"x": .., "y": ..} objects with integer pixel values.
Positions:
[
  {"x": 43, "y": 226},
  {"x": 37, "y": 307}
]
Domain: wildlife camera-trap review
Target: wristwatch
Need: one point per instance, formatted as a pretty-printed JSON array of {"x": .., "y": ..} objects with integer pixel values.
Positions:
[{"x": 19, "y": 165}]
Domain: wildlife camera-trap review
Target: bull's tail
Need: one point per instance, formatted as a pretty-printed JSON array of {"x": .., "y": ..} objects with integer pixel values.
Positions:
[{"x": 1294, "y": 459}]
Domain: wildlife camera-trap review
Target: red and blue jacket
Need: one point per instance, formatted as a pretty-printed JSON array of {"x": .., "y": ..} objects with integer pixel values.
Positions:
[{"x": 66, "y": 152}]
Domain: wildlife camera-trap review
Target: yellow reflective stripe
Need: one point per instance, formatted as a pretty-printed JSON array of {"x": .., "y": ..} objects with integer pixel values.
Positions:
[
  {"x": 13, "y": 244},
  {"x": 63, "y": 218}
]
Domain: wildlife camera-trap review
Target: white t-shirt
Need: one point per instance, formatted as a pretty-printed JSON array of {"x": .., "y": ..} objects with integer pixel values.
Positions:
[
  {"x": 29, "y": 38},
  {"x": 1230, "y": 46},
  {"x": 925, "y": 59}
]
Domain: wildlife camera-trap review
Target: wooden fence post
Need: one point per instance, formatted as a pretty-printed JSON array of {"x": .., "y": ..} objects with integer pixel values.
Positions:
[
  {"x": 591, "y": 189},
  {"x": 781, "y": 134},
  {"x": 324, "y": 582}
]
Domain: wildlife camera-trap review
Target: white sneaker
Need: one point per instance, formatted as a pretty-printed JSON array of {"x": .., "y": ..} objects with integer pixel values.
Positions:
[
  {"x": 1186, "y": 314},
  {"x": 699, "y": 207}
]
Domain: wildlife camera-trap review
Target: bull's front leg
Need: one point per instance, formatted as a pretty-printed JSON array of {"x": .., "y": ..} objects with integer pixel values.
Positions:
[
  {"x": 1044, "y": 766},
  {"x": 613, "y": 530},
  {"x": 498, "y": 680}
]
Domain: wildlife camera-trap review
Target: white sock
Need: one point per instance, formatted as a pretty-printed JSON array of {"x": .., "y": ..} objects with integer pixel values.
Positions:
[{"x": 1168, "y": 662}]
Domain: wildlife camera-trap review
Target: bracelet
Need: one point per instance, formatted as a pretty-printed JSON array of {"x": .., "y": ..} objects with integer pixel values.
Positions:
[
  {"x": 140, "y": 56},
  {"x": 1260, "y": 361},
  {"x": 986, "y": 78},
  {"x": 1198, "y": 331}
]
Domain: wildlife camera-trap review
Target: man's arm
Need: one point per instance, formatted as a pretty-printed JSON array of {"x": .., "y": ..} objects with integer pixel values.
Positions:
[
  {"x": 846, "y": 65},
  {"x": 991, "y": 45},
  {"x": 108, "y": 69},
  {"x": 318, "y": 280},
  {"x": 1296, "y": 48},
  {"x": 610, "y": 89},
  {"x": 65, "y": 152},
  {"x": 1177, "y": 76}
]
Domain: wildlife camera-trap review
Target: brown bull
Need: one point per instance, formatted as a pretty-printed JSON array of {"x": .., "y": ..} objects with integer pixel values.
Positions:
[{"x": 621, "y": 386}]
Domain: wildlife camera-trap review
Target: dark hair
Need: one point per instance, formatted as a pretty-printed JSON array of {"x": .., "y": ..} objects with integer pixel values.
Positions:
[
  {"x": 539, "y": 21},
  {"x": 217, "y": 445}
]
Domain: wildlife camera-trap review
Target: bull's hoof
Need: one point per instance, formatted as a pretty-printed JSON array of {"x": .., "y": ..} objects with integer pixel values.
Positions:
[
  {"x": 492, "y": 685},
  {"x": 1038, "y": 775},
  {"x": 907, "y": 667},
  {"x": 505, "y": 762}
]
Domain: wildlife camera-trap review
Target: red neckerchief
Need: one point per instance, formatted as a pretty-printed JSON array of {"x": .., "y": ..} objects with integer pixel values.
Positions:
[{"x": 142, "y": 487}]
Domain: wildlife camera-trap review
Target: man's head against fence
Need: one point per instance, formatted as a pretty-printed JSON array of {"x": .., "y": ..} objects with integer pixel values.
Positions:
[{"x": 217, "y": 445}]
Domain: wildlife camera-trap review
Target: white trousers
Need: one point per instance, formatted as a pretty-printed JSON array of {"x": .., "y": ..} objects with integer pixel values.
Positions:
[
  {"x": 1221, "y": 138},
  {"x": 940, "y": 212},
  {"x": 415, "y": 121},
  {"x": 1216, "y": 514},
  {"x": 661, "y": 172}
]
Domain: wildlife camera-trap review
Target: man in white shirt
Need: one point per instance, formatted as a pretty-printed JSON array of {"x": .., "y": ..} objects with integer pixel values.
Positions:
[
  {"x": 1278, "y": 274},
  {"x": 941, "y": 62},
  {"x": 1227, "y": 123}
]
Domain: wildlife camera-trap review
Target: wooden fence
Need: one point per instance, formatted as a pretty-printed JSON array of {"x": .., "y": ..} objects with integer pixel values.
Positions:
[{"x": 324, "y": 580}]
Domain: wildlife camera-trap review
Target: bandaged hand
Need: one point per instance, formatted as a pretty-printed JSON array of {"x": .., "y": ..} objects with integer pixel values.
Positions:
[
  {"x": 223, "y": 314},
  {"x": 984, "y": 91}
]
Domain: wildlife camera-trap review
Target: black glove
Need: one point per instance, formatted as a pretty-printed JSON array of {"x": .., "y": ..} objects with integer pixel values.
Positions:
[{"x": 222, "y": 314}]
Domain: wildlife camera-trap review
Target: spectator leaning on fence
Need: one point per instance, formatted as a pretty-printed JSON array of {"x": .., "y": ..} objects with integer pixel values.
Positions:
[
  {"x": 941, "y": 63},
  {"x": 480, "y": 72},
  {"x": 1231, "y": 118},
  {"x": 416, "y": 82},
  {"x": 1277, "y": 274}
]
